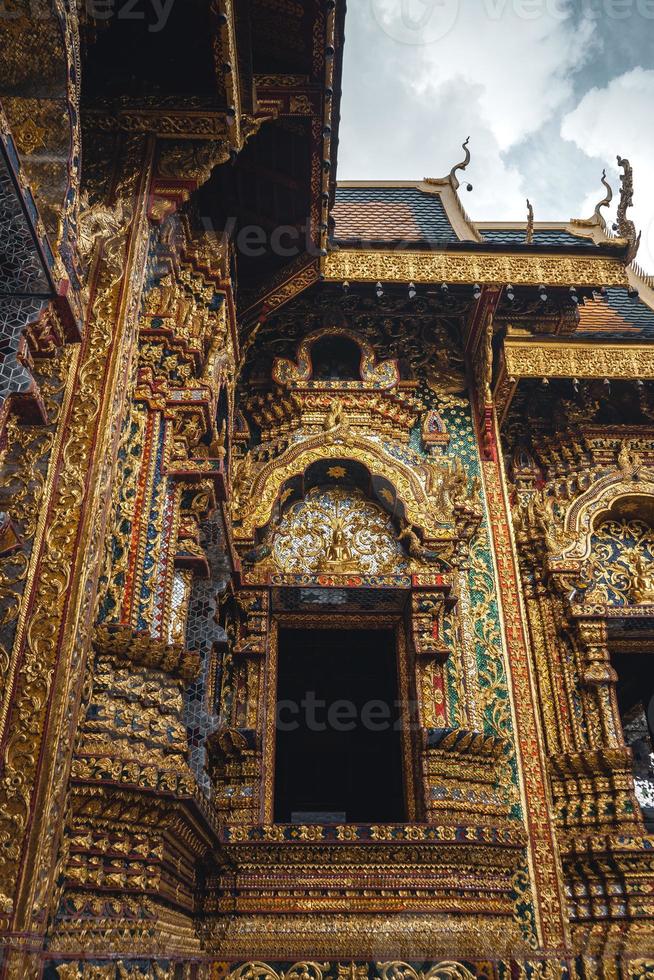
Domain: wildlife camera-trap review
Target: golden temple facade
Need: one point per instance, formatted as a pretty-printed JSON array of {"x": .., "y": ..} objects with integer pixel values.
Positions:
[{"x": 326, "y": 533}]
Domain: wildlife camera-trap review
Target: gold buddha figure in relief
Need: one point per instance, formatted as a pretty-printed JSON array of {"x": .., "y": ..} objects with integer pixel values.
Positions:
[
  {"x": 642, "y": 583},
  {"x": 338, "y": 557}
]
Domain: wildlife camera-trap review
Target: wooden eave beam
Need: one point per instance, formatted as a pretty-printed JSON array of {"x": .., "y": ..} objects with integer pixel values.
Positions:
[
  {"x": 534, "y": 358},
  {"x": 474, "y": 265}
]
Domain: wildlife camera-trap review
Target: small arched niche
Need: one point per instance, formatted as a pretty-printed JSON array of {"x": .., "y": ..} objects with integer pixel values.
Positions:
[
  {"x": 619, "y": 574},
  {"x": 620, "y": 567},
  {"x": 335, "y": 357}
]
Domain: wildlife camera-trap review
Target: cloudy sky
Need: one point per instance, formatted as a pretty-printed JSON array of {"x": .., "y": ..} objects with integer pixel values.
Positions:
[{"x": 550, "y": 91}]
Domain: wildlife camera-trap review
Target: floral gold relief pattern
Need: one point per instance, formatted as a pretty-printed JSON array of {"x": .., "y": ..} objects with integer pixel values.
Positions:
[
  {"x": 620, "y": 567},
  {"x": 40, "y": 625},
  {"x": 405, "y": 266},
  {"x": 307, "y": 539}
]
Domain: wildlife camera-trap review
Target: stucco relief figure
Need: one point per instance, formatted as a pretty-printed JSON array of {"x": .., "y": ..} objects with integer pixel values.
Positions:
[{"x": 642, "y": 585}]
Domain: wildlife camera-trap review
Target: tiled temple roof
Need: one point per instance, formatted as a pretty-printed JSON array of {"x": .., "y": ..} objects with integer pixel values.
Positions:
[
  {"x": 430, "y": 214},
  {"x": 419, "y": 213},
  {"x": 615, "y": 315},
  {"x": 391, "y": 214},
  {"x": 542, "y": 236}
]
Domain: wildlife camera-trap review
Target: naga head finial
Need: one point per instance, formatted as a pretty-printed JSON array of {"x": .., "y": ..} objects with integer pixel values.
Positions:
[
  {"x": 454, "y": 180},
  {"x": 529, "y": 238},
  {"x": 608, "y": 197},
  {"x": 624, "y": 226},
  {"x": 626, "y": 180}
]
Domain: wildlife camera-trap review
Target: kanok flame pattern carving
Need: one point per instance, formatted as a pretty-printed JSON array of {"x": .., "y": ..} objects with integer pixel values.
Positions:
[
  {"x": 304, "y": 540},
  {"x": 620, "y": 569}
]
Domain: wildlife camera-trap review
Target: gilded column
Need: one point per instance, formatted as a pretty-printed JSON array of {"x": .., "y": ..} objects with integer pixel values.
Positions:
[
  {"x": 140, "y": 828},
  {"x": 44, "y": 678}
]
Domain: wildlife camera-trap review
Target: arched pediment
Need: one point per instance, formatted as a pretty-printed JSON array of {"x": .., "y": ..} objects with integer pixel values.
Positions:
[
  {"x": 419, "y": 488},
  {"x": 337, "y": 529},
  {"x": 587, "y": 510}
]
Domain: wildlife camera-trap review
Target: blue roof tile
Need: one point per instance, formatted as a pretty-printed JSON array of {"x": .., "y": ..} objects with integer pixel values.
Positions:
[
  {"x": 391, "y": 214},
  {"x": 542, "y": 236}
]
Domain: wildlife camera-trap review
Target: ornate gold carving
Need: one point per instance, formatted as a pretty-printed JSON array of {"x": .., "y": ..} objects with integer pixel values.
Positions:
[
  {"x": 422, "y": 509},
  {"x": 570, "y": 523},
  {"x": 619, "y": 568},
  {"x": 176, "y": 122},
  {"x": 642, "y": 582},
  {"x": 144, "y": 650},
  {"x": 303, "y": 274},
  {"x": 374, "y": 374},
  {"x": 337, "y": 530},
  {"x": 539, "y": 359},
  {"x": 427, "y": 621},
  {"x": 260, "y": 971},
  {"x": 53, "y": 633},
  {"x": 480, "y": 267},
  {"x": 99, "y": 223},
  {"x": 193, "y": 160},
  {"x": 414, "y": 546},
  {"x": 447, "y": 970}
]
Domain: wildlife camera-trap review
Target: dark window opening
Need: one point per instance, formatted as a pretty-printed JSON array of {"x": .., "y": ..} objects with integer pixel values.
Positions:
[
  {"x": 338, "y": 750},
  {"x": 336, "y": 358},
  {"x": 635, "y": 694}
]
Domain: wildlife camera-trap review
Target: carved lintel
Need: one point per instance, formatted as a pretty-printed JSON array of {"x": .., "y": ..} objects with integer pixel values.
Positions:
[
  {"x": 532, "y": 358},
  {"x": 480, "y": 267}
]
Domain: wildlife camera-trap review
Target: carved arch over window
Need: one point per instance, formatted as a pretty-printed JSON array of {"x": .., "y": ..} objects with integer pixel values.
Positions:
[
  {"x": 587, "y": 510},
  {"x": 419, "y": 494}
]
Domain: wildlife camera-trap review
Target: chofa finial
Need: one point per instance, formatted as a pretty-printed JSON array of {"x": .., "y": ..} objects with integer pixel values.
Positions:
[
  {"x": 608, "y": 197},
  {"x": 529, "y": 238},
  {"x": 460, "y": 166},
  {"x": 624, "y": 226}
]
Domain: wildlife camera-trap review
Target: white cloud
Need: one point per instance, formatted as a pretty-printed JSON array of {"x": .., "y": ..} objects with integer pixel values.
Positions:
[
  {"x": 490, "y": 74},
  {"x": 523, "y": 66},
  {"x": 421, "y": 75},
  {"x": 615, "y": 119}
]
